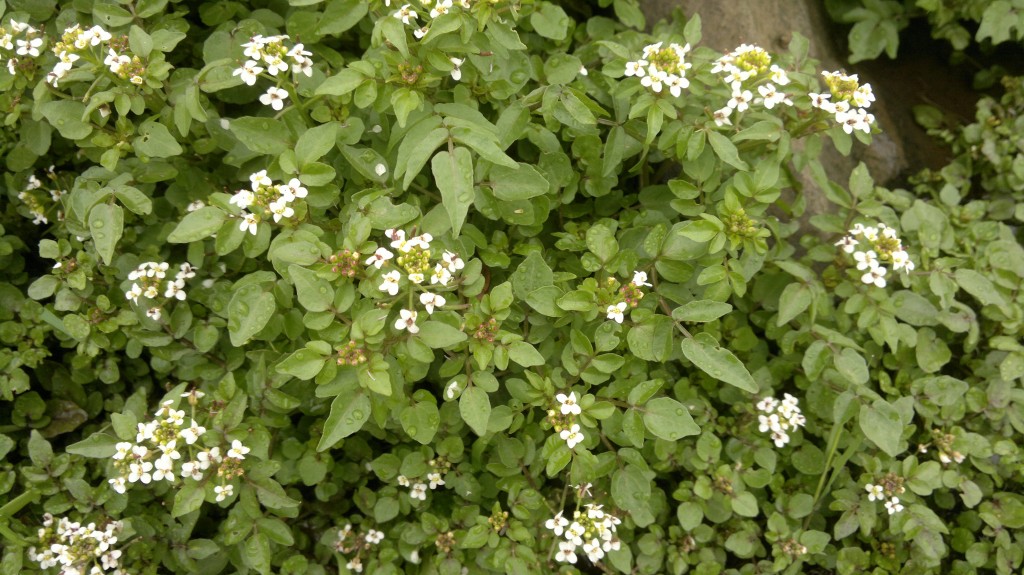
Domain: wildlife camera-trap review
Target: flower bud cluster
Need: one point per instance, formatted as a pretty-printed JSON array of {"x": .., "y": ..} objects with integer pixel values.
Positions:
[
  {"x": 662, "y": 67},
  {"x": 630, "y": 295},
  {"x": 746, "y": 69},
  {"x": 149, "y": 279},
  {"x": 351, "y": 542},
  {"x": 345, "y": 262},
  {"x": 34, "y": 198},
  {"x": 779, "y": 418},
  {"x": 944, "y": 442},
  {"x": 23, "y": 40},
  {"x": 266, "y": 199},
  {"x": 435, "y": 478},
  {"x": 157, "y": 454},
  {"x": 414, "y": 259},
  {"x": 352, "y": 354},
  {"x": 848, "y": 100},
  {"x": 887, "y": 490},
  {"x": 593, "y": 529},
  {"x": 78, "y": 549},
  {"x": 873, "y": 246}
]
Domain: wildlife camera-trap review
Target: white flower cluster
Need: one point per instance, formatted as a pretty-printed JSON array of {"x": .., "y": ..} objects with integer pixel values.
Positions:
[
  {"x": 592, "y": 529},
  {"x": 418, "y": 490},
  {"x": 873, "y": 246},
  {"x": 23, "y": 40},
  {"x": 877, "y": 493},
  {"x": 78, "y": 549},
  {"x": 414, "y": 259},
  {"x": 116, "y": 57},
  {"x": 271, "y": 52},
  {"x": 408, "y": 16},
  {"x": 745, "y": 69},
  {"x": 780, "y": 418},
  {"x": 266, "y": 199},
  {"x": 149, "y": 279},
  {"x": 848, "y": 100},
  {"x": 350, "y": 541},
  {"x": 34, "y": 196},
  {"x": 662, "y": 67},
  {"x": 631, "y": 296},
  {"x": 564, "y": 420},
  {"x": 156, "y": 453}
]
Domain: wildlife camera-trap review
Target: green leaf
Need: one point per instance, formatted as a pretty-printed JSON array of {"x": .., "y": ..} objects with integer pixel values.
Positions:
[
  {"x": 701, "y": 311},
  {"x": 726, "y": 150},
  {"x": 852, "y": 366},
  {"x": 532, "y": 274},
  {"x": 420, "y": 421},
  {"x": 437, "y": 334},
  {"x": 314, "y": 292},
  {"x": 517, "y": 184},
  {"x": 189, "y": 498},
  {"x": 156, "y": 141},
  {"x": 272, "y": 495},
  {"x": 550, "y": 21},
  {"x": 652, "y": 338},
  {"x": 66, "y": 116},
  {"x": 134, "y": 200},
  {"x": 248, "y": 312},
  {"x": 97, "y": 446},
  {"x": 262, "y": 135},
  {"x": 705, "y": 353},
  {"x": 256, "y": 553},
  {"x": 453, "y": 174},
  {"x": 341, "y": 83},
  {"x": 793, "y": 301},
  {"x": 601, "y": 242},
  {"x": 525, "y": 354},
  {"x": 668, "y": 419},
  {"x": 39, "y": 450},
  {"x": 197, "y": 225},
  {"x": 315, "y": 142},
  {"x": 304, "y": 364},
  {"x": 340, "y": 15},
  {"x": 881, "y": 423},
  {"x": 475, "y": 407},
  {"x": 348, "y": 414},
  {"x": 631, "y": 491},
  {"x": 106, "y": 224}
]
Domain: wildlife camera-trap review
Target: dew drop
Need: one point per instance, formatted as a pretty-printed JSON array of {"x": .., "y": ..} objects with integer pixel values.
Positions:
[
  {"x": 680, "y": 411},
  {"x": 98, "y": 224},
  {"x": 412, "y": 430},
  {"x": 358, "y": 414}
]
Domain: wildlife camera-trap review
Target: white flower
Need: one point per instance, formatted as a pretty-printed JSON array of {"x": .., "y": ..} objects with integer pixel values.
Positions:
[
  {"x": 780, "y": 438},
  {"x": 441, "y": 8},
  {"x": 857, "y": 119},
  {"x": 771, "y": 96},
  {"x": 422, "y": 241},
  {"x": 293, "y": 189},
  {"x": 431, "y": 301},
  {"x": 374, "y": 537},
  {"x": 379, "y": 257},
  {"x": 875, "y": 492},
  {"x": 452, "y": 261},
  {"x": 164, "y": 469},
  {"x": 636, "y": 68},
  {"x": 405, "y": 14},
  {"x": 274, "y": 98},
  {"x": 866, "y": 260},
  {"x": 192, "y": 433},
  {"x": 118, "y": 484},
  {"x": 407, "y": 320},
  {"x": 779, "y": 75},
  {"x": 153, "y": 313},
  {"x": 176, "y": 289},
  {"x": 441, "y": 275},
  {"x": 403, "y": 481},
  {"x": 583, "y": 71},
  {"x": 640, "y": 279},
  {"x": 569, "y": 405},
  {"x": 140, "y": 472},
  {"x": 572, "y": 436},
  {"x": 223, "y": 492},
  {"x": 557, "y": 523},
  {"x": 248, "y": 72},
  {"x": 767, "y": 404},
  {"x": 875, "y": 275},
  {"x": 390, "y": 284},
  {"x": 616, "y": 311},
  {"x": 416, "y": 278},
  {"x": 721, "y": 117},
  {"x": 419, "y": 491},
  {"x": 654, "y": 79},
  {"x": 29, "y": 47},
  {"x": 900, "y": 260},
  {"x": 893, "y": 506},
  {"x": 275, "y": 65},
  {"x": 249, "y": 222},
  {"x": 593, "y": 550},
  {"x": 676, "y": 84},
  {"x": 380, "y": 169},
  {"x": 281, "y": 209},
  {"x": 259, "y": 180},
  {"x": 237, "y": 450},
  {"x": 449, "y": 391},
  {"x": 457, "y": 70},
  {"x": 821, "y": 101},
  {"x": 740, "y": 99},
  {"x": 435, "y": 480},
  {"x": 397, "y": 238},
  {"x": 566, "y": 552},
  {"x": 847, "y": 243}
]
